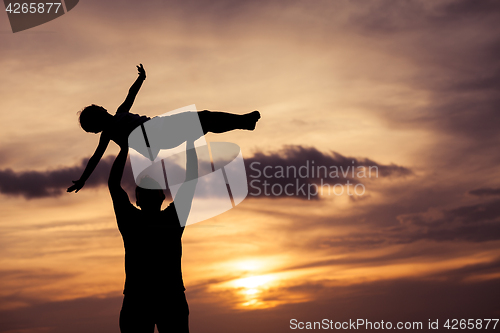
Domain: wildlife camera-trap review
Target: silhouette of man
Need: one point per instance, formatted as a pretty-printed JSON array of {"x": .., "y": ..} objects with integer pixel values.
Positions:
[{"x": 154, "y": 289}]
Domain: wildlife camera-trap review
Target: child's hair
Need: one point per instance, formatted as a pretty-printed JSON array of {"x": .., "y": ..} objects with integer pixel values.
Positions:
[{"x": 92, "y": 117}]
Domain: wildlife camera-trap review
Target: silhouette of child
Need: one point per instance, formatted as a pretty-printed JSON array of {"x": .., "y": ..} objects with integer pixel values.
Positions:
[{"x": 96, "y": 119}]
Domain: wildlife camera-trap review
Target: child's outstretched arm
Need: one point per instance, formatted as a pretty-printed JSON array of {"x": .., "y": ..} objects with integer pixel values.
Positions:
[
  {"x": 91, "y": 164},
  {"x": 132, "y": 92}
]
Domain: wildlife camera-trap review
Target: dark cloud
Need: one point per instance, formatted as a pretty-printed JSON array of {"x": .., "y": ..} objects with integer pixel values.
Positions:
[
  {"x": 80, "y": 315},
  {"x": 465, "y": 273},
  {"x": 475, "y": 214},
  {"x": 404, "y": 254},
  {"x": 465, "y": 215},
  {"x": 470, "y": 223},
  {"x": 485, "y": 192},
  {"x": 474, "y": 224},
  {"x": 300, "y": 167},
  {"x": 39, "y": 276},
  {"x": 477, "y": 234},
  {"x": 53, "y": 183},
  {"x": 414, "y": 218},
  {"x": 470, "y": 9}
]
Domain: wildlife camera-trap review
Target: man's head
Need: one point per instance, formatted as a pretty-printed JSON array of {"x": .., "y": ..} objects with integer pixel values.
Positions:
[
  {"x": 94, "y": 118},
  {"x": 149, "y": 194}
]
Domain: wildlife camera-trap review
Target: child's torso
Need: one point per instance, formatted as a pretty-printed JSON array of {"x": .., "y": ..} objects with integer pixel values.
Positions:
[{"x": 123, "y": 124}]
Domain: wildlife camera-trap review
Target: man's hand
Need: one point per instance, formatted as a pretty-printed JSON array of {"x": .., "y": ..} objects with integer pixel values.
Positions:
[
  {"x": 78, "y": 184},
  {"x": 142, "y": 72}
]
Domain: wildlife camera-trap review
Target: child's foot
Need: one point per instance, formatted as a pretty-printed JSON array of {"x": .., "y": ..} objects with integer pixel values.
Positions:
[{"x": 251, "y": 120}]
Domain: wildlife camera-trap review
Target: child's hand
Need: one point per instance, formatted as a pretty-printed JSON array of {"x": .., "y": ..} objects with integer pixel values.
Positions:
[
  {"x": 76, "y": 186},
  {"x": 142, "y": 72}
]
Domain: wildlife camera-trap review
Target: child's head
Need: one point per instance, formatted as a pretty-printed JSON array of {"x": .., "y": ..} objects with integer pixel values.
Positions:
[{"x": 94, "y": 118}]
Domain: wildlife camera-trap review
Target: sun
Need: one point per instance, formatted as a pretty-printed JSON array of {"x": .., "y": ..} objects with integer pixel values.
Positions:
[{"x": 253, "y": 282}]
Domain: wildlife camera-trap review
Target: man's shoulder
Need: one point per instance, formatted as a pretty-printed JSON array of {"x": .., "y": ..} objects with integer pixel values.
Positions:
[
  {"x": 170, "y": 217},
  {"x": 170, "y": 210},
  {"x": 124, "y": 207},
  {"x": 126, "y": 214}
]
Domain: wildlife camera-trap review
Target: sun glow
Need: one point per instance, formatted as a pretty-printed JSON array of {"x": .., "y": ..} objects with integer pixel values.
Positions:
[
  {"x": 252, "y": 289},
  {"x": 252, "y": 285},
  {"x": 259, "y": 284},
  {"x": 253, "y": 282},
  {"x": 249, "y": 265}
]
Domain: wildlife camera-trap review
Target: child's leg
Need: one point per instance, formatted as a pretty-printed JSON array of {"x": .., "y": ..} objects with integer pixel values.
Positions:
[
  {"x": 220, "y": 122},
  {"x": 166, "y": 132}
]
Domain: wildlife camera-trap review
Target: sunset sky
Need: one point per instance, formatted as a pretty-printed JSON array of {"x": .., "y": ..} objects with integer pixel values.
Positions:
[{"x": 410, "y": 87}]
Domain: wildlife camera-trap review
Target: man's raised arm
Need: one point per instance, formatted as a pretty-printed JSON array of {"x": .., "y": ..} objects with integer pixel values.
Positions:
[
  {"x": 115, "y": 176},
  {"x": 184, "y": 198}
]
